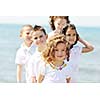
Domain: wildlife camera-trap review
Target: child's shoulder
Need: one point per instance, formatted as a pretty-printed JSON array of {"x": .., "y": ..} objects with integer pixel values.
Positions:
[
  {"x": 20, "y": 49},
  {"x": 77, "y": 48}
]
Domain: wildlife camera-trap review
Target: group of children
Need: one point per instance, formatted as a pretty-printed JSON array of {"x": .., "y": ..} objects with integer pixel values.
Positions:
[{"x": 52, "y": 57}]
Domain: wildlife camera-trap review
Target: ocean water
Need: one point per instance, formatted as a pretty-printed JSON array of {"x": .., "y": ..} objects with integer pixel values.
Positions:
[{"x": 89, "y": 66}]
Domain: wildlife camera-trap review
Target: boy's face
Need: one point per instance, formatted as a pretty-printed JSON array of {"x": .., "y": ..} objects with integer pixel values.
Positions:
[
  {"x": 71, "y": 36},
  {"x": 39, "y": 38},
  {"x": 60, "y": 23},
  {"x": 26, "y": 34},
  {"x": 60, "y": 52}
]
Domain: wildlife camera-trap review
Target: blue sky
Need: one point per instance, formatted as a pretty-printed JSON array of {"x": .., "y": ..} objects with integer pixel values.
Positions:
[{"x": 77, "y": 20}]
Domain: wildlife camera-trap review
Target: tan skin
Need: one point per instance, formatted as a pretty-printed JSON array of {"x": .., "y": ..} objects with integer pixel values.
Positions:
[
  {"x": 60, "y": 54},
  {"x": 39, "y": 39},
  {"x": 59, "y": 24},
  {"x": 19, "y": 73},
  {"x": 71, "y": 37},
  {"x": 26, "y": 36}
]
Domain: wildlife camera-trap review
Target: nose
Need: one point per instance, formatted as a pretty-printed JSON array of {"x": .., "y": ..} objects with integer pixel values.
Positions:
[
  {"x": 60, "y": 27},
  {"x": 59, "y": 53},
  {"x": 71, "y": 37}
]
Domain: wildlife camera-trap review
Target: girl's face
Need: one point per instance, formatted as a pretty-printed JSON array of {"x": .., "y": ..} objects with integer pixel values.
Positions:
[
  {"x": 26, "y": 35},
  {"x": 60, "y": 23},
  {"x": 60, "y": 52},
  {"x": 71, "y": 36},
  {"x": 39, "y": 38}
]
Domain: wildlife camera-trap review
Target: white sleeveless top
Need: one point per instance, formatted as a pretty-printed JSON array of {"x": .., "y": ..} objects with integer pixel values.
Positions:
[{"x": 55, "y": 75}]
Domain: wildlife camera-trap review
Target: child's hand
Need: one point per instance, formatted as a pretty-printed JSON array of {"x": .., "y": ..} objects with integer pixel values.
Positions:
[
  {"x": 68, "y": 80},
  {"x": 33, "y": 80}
]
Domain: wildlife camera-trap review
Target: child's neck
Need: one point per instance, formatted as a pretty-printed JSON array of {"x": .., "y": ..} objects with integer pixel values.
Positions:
[
  {"x": 58, "y": 63},
  {"x": 41, "y": 48},
  {"x": 27, "y": 44}
]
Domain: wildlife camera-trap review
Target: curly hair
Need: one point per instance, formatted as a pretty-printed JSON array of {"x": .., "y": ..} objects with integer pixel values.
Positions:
[
  {"x": 72, "y": 26},
  {"x": 53, "y": 18},
  {"x": 52, "y": 42}
]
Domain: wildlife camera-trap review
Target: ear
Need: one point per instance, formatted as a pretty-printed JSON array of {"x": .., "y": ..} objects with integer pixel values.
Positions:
[{"x": 20, "y": 35}]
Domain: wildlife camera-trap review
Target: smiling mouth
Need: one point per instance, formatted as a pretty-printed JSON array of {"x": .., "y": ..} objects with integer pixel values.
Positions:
[
  {"x": 60, "y": 56},
  {"x": 71, "y": 40}
]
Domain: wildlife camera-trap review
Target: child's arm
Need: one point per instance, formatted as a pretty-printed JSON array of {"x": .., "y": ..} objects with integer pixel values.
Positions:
[
  {"x": 33, "y": 80},
  {"x": 88, "y": 47},
  {"x": 40, "y": 78},
  {"x": 19, "y": 73}
]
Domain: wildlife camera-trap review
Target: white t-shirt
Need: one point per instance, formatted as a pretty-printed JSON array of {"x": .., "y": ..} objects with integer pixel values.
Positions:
[
  {"x": 22, "y": 56},
  {"x": 33, "y": 64},
  {"x": 55, "y": 75},
  {"x": 74, "y": 59}
]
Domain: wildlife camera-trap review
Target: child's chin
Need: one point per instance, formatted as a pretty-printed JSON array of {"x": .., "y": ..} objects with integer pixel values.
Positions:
[{"x": 71, "y": 42}]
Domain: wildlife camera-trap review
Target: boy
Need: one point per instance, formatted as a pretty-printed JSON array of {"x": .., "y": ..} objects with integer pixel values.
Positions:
[
  {"x": 25, "y": 51},
  {"x": 39, "y": 37}
]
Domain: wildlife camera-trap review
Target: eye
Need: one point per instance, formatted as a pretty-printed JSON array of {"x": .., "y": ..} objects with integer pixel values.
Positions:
[
  {"x": 35, "y": 38},
  {"x": 58, "y": 23},
  {"x": 27, "y": 33},
  {"x": 74, "y": 34},
  {"x": 68, "y": 34},
  {"x": 63, "y": 50},
  {"x": 56, "y": 49},
  {"x": 41, "y": 36}
]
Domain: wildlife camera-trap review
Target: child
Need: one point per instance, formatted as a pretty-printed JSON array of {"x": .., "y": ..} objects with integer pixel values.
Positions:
[
  {"x": 39, "y": 37},
  {"x": 54, "y": 69},
  {"x": 25, "y": 51},
  {"x": 57, "y": 23},
  {"x": 75, "y": 52}
]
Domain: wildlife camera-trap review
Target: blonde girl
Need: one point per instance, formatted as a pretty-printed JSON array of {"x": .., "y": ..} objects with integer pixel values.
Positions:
[{"x": 54, "y": 68}]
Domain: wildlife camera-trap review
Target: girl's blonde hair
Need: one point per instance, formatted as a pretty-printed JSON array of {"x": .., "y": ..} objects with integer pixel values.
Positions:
[{"x": 52, "y": 42}]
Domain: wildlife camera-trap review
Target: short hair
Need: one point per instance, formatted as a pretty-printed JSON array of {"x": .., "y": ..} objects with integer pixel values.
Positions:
[
  {"x": 39, "y": 28},
  {"x": 25, "y": 26}
]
